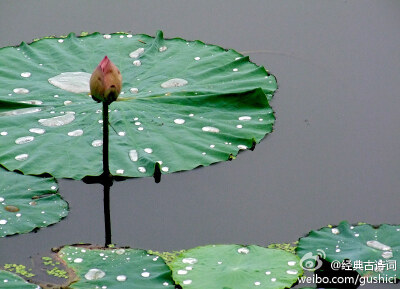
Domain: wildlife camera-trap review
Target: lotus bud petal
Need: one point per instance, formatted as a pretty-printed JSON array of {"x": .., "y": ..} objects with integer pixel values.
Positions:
[{"x": 105, "y": 82}]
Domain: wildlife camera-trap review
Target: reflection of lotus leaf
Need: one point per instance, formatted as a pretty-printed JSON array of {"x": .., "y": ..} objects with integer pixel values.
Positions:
[
  {"x": 234, "y": 266},
  {"x": 28, "y": 202},
  {"x": 183, "y": 104},
  {"x": 367, "y": 248}
]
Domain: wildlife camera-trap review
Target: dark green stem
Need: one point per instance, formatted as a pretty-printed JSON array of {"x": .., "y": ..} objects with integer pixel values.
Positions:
[
  {"x": 106, "y": 168},
  {"x": 107, "y": 178}
]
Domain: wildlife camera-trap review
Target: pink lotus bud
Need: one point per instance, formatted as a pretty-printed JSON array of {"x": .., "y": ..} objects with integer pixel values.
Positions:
[{"x": 105, "y": 82}]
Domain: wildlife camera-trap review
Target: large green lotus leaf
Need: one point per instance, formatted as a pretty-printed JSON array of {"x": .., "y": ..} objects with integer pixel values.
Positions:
[
  {"x": 11, "y": 281},
  {"x": 368, "y": 248},
  {"x": 116, "y": 268},
  {"x": 28, "y": 202},
  {"x": 235, "y": 267},
  {"x": 183, "y": 104}
]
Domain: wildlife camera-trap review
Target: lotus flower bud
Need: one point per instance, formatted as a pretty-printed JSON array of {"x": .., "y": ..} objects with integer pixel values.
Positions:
[{"x": 105, "y": 82}]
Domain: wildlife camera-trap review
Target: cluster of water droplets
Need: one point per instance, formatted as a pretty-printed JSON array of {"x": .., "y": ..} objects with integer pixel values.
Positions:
[
  {"x": 114, "y": 257},
  {"x": 246, "y": 251},
  {"x": 190, "y": 262},
  {"x": 16, "y": 210},
  {"x": 387, "y": 251}
]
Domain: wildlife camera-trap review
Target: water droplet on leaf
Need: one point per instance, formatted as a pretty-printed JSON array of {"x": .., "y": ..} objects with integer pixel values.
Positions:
[
  {"x": 243, "y": 250},
  {"x": 77, "y": 132},
  {"x": 26, "y": 74},
  {"x": 134, "y": 90},
  {"x": 94, "y": 274},
  {"x": 387, "y": 254},
  {"x": 24, "y": 139},
  {"x": 182, "y": 272},
  {"x": 148, "y": 150},
  {"x": 335, "y": 231},
  {"x": 190, "y": 261},
  {"x": 76, "y": 82},
  {"x": 136, "y": 53},
  {"x": 97, "y": 143},
  {"x": 179, "y": 121},
  {"x": 22, "y": 157},
  {"x": 378, "y": 245},
  {"x": 292, "y": 272},
  {"x": 174, "y": 82},
  {"x": 58, "y": 120},
  {"x": 20, "y": 90},
  {"x": 245, "y": 118},
  {"x": 133, "y": 155},
  {"x": 210, "y": 129},
  {"x": 37, "y": 130}
]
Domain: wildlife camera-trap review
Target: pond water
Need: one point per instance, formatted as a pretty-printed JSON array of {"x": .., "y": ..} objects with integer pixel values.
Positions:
[{"x": 334, "y": 154}]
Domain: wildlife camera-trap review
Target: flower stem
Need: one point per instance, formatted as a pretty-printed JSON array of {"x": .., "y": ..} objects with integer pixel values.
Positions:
[
  {"x": 107, "y": 177},
  {"x": 106, "y": 168}
]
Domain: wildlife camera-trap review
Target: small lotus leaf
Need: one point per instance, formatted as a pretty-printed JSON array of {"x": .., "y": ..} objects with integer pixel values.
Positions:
[
  {"x": 28, "y": 202},
  {"x": 9, "y": 280},
  {"x": 116, "y": 268},
  {"x": 372, "y": 251},
  {"x": 235, "y": 267}
]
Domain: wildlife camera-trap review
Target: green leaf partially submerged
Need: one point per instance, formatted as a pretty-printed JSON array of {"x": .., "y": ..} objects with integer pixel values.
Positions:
[
  {"x": 11, "y": 281},
  {"x": 116, "y": 268},
  {"x": 183, "y": 104},
  {"x": 235, "y": 267},
  {"x": 372, "y": 251},
  {"x": 28, "y": 202}
]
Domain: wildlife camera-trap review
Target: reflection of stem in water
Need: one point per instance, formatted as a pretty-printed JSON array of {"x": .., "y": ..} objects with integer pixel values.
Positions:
[{"x": 107, "y": 214}]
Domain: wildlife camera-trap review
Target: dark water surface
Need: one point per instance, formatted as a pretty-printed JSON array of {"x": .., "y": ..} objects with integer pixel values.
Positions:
[{"x": 334, "y": 154}]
